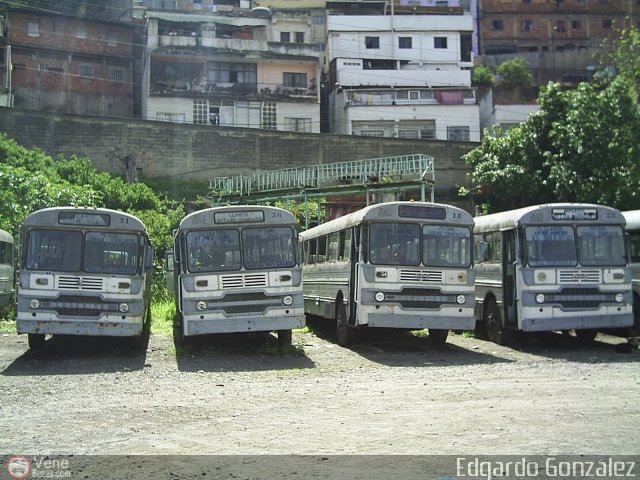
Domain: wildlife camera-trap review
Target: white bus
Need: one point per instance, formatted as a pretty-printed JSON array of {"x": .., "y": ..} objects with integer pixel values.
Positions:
[
  {"x": 633, "y": 231},
  {"x": 83, "y": 271},
  {"x": 7, "y": 269},
  {"x": 399, "y": 265},
  {"x": 552, "y": 267},
  {"x": 237, "y": 270}
]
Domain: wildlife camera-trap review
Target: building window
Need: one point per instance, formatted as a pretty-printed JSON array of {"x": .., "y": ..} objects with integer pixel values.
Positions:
[
  {"x": 404, "y": 42},
  {"x": 526, "y": 26},
  {"x": 112, "y": 39},
  {"x": 440, "y": 42},
  {"x": 299, "y": 37},
  {"x": 560, "y": 26},
  {"x": 81, "y": 33},
  {"x": 497, "y": 25},
  {"x": 372, "y": 42},
  {"x": 117, "y": 74},
  {"x": 292, "y": 124},
  {"x": 285, "y": 37},
  {"x": 458, "y": 134},
  {"x": 43, "y": 67},
  {"x": 232, "y": 73},
  {"x": 269, "y": 116},
  {"x": 607, "y": 23},
  {"x": 575, "y": 24},
  {"x": 200, "y": 112},
  {"x": 170, "y": 117},
  {"x": 298, "y": 80},
  {"x": 86, "y": 70},
  {"x": 318, "y": 19},
  {"x": 33, "y": 29}
]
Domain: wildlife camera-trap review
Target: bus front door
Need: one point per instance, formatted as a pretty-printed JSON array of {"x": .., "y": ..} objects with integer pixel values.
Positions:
[{"x": 509, "y": 276}]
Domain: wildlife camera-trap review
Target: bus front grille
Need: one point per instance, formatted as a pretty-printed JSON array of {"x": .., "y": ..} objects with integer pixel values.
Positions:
[
  {"x": 78, "y": 306},
  {"x": 79, "y": 283},
  {"x": 243, "y": 303},
  {"x": 244, "y": 280},
  {"x": 428, "y": 276},
  {"x": 420, "y": 298},
  {"x": 575, "y": 298},
  {"x": 579, "y": 276}
]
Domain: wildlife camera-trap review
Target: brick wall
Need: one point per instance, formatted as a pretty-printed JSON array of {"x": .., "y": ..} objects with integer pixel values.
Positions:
[{"x": 197, "y": 152}]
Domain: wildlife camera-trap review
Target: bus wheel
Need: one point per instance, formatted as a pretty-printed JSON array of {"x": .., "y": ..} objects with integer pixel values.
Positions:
[
  {"x": 284, "y": 338},
  {"x": 346, "y": 334},
  {"x": 587, "y": 335},
  {"x": 36, "y": 341},
  {"x": 438, "y": 335},
  {"x": 495, "y": 331}
]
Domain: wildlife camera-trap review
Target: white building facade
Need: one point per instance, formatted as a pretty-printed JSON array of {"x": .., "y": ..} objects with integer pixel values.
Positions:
[{"x": 406, "y": 76}]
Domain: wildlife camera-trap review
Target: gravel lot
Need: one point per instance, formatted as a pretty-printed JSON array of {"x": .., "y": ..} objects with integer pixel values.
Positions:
[{"x": 395, "y": 393}]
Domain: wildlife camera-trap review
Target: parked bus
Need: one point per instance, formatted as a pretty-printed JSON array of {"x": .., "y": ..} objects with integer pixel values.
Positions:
[
  {"x": 401, "y": 265},
  {"x": 237, "y": 270},
  {"x": 552, "y": 267},
  {"x": 7, "y": 270},
  {"x": 83, "y": 271},
  {"x": 633, "y": 231}
]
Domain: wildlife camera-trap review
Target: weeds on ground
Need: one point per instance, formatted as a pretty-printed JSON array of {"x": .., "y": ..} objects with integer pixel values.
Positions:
[
  {"x": 8, "y": 319},
  {"x": 281, "y": 350},
  {"x": 163, "y": 311}
]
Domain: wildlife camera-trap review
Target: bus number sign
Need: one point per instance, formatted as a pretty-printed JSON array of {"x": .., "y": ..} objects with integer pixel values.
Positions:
[
  {"x": 247, "y": 216},
  {"x": 83, "y": 218},
  {"x": 574, "y": 214}
]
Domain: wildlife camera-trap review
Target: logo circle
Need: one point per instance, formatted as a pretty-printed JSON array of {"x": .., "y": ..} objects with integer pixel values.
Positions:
[{"x": 18, "y": 466}]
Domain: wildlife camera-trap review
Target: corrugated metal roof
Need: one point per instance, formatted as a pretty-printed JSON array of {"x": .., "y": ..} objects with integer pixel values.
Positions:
[{"x": 205, "y": 18}]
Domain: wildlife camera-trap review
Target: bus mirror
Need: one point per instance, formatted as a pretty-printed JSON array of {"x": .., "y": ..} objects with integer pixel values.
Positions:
[
  {"x": 168, "y": 256},
  {"x": 148, "y": 259}
]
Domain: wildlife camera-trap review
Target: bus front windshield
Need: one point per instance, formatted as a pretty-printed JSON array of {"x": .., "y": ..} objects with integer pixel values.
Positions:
[
  {"x": 100, "y": 252},
  {"x": 231, "y": 249},
  {"x": 410, "y": 244},
  {"x": 562, "y": 246}
]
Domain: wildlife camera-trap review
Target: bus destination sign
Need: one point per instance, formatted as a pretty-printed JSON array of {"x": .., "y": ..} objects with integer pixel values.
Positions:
[
  {"x": 419, "y": 211},
  {"x": 574, "y": 214},
  {"x": 84, "y": 218},
  {"x": 244, "y": 216}
]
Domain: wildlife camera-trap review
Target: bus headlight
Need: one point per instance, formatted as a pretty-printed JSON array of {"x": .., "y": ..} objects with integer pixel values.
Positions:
[
  {"x": 379, "y": 296},
  {"x": 34, "y": 303},
  {"x": 201, "y": 306},
  {"x": 540, "y": 298},
  {"x": 287, "y": 300},
  {"x": 619, "y": 298},
  {"x": 542, "y": 277},
  {"x": 460, "y": 299},
  {"x": 123, "y": 307}
]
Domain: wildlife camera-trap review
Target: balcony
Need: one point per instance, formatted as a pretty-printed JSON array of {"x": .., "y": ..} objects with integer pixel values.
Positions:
[{"x": 412, "y": 97}]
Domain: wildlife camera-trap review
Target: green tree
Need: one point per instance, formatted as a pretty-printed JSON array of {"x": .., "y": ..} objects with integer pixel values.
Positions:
[
  {"x": 482, "y": 76},
  {"x": 514, "y": 73},
  {"x": 583, "y": 145},
  {"x": 621, "y": 52}
]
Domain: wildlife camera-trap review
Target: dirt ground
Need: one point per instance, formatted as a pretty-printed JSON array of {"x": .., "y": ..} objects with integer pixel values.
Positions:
[{"x": 392, "y": 394}]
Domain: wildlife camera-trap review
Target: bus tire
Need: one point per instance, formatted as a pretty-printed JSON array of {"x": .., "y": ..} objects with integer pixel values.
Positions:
[
  {"x": 346, "y": 334},
  {"x": 493, "y": 323},
  {"x": 587, "y": 335},
  {"x": 438, "y": 335},
  {"x": 36, "y": 341},
  {"x": 284, "y": 338}
]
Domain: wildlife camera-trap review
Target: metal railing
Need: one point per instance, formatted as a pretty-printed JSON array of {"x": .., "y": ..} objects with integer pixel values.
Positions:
[{"x": 374, "y": 170}]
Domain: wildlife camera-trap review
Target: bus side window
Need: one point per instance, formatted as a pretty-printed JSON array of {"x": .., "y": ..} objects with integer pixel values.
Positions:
[
  {"x": 311, "y": 254},
  {"x": 344, "y": 250},
  {"x": 322, "y": 249},
  {"x": 481, "y": 249},
  {"x": 332, "y": 252}
]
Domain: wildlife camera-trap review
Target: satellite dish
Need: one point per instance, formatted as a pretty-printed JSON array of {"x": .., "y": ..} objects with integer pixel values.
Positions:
[{"x": 261, "y": 12}]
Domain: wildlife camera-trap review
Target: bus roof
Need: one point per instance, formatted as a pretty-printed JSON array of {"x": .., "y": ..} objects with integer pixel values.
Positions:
[
  {"x": 51, "y": 216},
  {"x": 238, "y": 215},
  {"x": 543, "y": 214},
  {"x": 5, "y": 236},
  {"x": 633, "y": 219},
  {"x": 384, "y": 211}
]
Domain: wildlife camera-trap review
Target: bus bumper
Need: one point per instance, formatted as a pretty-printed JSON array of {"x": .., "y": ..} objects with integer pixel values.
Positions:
[
  {"x": 222, "y": 324},
  {"x": 440, "y": 320},
  {"x": 112, "y": 328},
  {"x": 575, "y": 321}
]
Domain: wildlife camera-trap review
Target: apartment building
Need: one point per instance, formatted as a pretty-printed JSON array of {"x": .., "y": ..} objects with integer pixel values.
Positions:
[
  {"x": 401, "y": 75},
  {"x": 234, "y": 67},
  {"x": 69, "y": 64}
]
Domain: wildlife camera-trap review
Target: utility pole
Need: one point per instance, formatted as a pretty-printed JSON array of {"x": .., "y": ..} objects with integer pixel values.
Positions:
[{"x": 7, "y": 78}]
